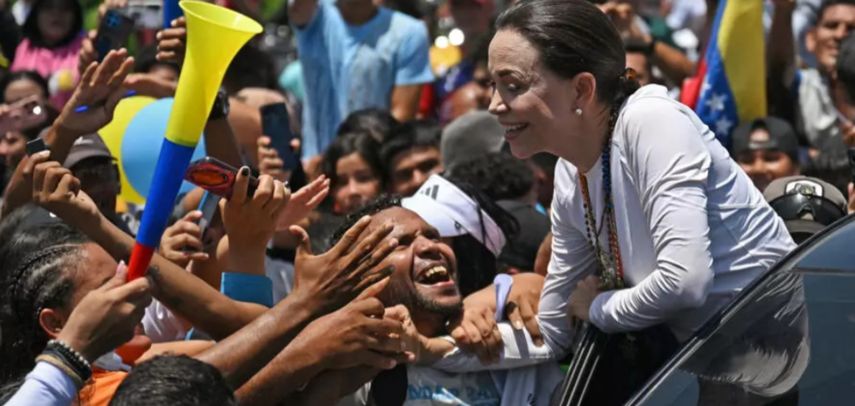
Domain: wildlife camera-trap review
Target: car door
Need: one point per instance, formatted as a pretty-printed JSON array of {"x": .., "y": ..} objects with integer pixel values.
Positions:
[{"x": 788, "y": 339}]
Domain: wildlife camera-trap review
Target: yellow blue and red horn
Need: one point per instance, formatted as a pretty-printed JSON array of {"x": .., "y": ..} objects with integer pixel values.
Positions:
[{"x": 214, "y": 36}]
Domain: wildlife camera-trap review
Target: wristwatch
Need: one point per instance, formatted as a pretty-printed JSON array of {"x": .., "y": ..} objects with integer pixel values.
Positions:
[{"x": 221, "y": 106}]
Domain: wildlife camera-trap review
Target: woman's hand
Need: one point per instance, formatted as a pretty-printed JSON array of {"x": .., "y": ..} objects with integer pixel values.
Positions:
[
  {"x": 335, "y": 277},
  {"x": 303, "y": 202},
  {"x": 100, "y": 90},
  {"x": 251, "y": 222},
  {"x": 182, "y": 241},
  {"x": 476, "y": 331},
  {"x": 523, "y": 302},
  {"x": 57, "y": 190},
  {"x": 579, "y": 305},
  {"x": 106, "y": 317},
  {"x": 171, "y": 42}
]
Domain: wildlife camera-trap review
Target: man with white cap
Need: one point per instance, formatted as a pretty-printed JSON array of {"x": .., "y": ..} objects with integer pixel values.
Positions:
[
  {"x": 425, "y": 295},
  {"x": 476, "y": 226}
]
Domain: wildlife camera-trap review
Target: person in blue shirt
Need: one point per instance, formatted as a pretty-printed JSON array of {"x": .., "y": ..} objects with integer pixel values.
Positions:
[{"x": 356, "y": 55}]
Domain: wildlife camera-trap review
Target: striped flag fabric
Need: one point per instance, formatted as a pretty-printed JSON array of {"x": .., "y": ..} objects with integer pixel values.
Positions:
[{"x": 731, "y": 86}]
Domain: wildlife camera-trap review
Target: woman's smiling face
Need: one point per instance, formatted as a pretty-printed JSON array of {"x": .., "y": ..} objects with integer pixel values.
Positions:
[{"x": 532, "y": 103}]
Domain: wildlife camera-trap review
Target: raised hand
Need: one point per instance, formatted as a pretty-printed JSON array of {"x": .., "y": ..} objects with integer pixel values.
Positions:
[
  {"x": 269, "y": 161},
  {"x": 253, "y": 218},
  {"x": 303, "y": 202},
  {"x": 182, "y": 241},
  {"x": 363, "y": 337},
  {"x": 100, "y": 90},
  {"x": 171, "y": 42},
  {"x": 251, "y": 221},
  {"x": 335, "y": 277},
  {"x": 624, "y": 18},
  {"x": 57, "y": 190},
  {"x": 106, "y": 317}
]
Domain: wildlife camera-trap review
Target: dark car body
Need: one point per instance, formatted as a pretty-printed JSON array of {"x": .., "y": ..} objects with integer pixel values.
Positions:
[{"x": 787, "y": 339}]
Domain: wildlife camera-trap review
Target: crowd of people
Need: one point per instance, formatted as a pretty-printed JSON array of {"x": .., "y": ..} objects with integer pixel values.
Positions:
[{"x": 466, "y": 186}]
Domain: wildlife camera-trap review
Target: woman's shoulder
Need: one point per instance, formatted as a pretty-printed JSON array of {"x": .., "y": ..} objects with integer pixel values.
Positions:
[
  {"x": 652, "y": 111},
  {"x": 648, "y": 103}
]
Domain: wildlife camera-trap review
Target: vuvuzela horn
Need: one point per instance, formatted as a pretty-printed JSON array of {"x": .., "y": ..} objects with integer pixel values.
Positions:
[{"x": 214, "y": 36}]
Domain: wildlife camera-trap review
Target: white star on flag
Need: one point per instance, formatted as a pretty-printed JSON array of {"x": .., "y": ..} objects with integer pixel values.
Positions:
[
  {"x": 705, "y": 87},
  {"x": 716, "y": 102},
  {"x": 722, "y": 125}
]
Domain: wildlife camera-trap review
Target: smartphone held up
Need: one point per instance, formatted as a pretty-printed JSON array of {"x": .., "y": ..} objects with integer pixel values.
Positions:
[
  {"x": 276, "y": 125},
  {"x": 113, "y": 32},
  {"x": 217, "y": 177}
]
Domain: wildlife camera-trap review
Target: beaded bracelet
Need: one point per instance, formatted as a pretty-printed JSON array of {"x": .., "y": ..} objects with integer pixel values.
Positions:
[
  {"x": 65, "y": 368},
  {"x": 71, "y": 357}
]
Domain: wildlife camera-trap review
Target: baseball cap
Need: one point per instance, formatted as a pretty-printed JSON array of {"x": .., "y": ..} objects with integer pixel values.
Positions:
[
  {"x": 806, "y": 204},
  {"x": 779, "y": 135},
  {"x": 473, "y": 134},
  {"x": 453, "y": 213},
  {"x": 85, "y": 147}
]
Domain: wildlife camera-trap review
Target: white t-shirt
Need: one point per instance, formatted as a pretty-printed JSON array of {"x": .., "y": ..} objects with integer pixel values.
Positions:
[
  {"x": 427, "y": 386},
  {"x": 692, "y": 228},
  {"x": 524, "y": 376}
]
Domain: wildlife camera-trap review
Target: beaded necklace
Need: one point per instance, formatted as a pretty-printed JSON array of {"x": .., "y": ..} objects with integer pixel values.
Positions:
[{"x": 610, "y": 264}]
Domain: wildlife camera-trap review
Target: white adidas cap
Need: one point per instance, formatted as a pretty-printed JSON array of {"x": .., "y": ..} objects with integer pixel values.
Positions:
[{"x": 453, "y": 213}]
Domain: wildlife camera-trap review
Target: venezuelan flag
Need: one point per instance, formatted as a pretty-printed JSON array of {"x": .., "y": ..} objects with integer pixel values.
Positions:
[{"x": 732, "y": 74}]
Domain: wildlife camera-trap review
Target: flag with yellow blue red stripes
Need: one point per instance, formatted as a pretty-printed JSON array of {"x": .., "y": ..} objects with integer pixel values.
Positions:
[{"x": 733, "y": 71}]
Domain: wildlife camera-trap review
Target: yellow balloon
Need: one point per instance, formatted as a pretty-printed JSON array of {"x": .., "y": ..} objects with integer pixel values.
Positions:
[{"x": 114, "y": 132}]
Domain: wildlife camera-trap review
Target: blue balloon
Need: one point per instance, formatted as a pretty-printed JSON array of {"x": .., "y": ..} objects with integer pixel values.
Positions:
[{"x": 141, "y": 146}]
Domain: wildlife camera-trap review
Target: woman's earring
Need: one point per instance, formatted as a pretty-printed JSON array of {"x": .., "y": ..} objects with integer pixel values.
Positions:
[{"x": 578, "y": 112}]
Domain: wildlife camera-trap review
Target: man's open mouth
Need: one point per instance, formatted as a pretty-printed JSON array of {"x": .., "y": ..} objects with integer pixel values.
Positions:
[{"x": 433, "y": 275}]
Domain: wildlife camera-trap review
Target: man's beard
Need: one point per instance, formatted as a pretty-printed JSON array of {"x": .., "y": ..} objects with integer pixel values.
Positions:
[
  {"x": 429, "y": 305},
  {"x": 408, "y": 295}
]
